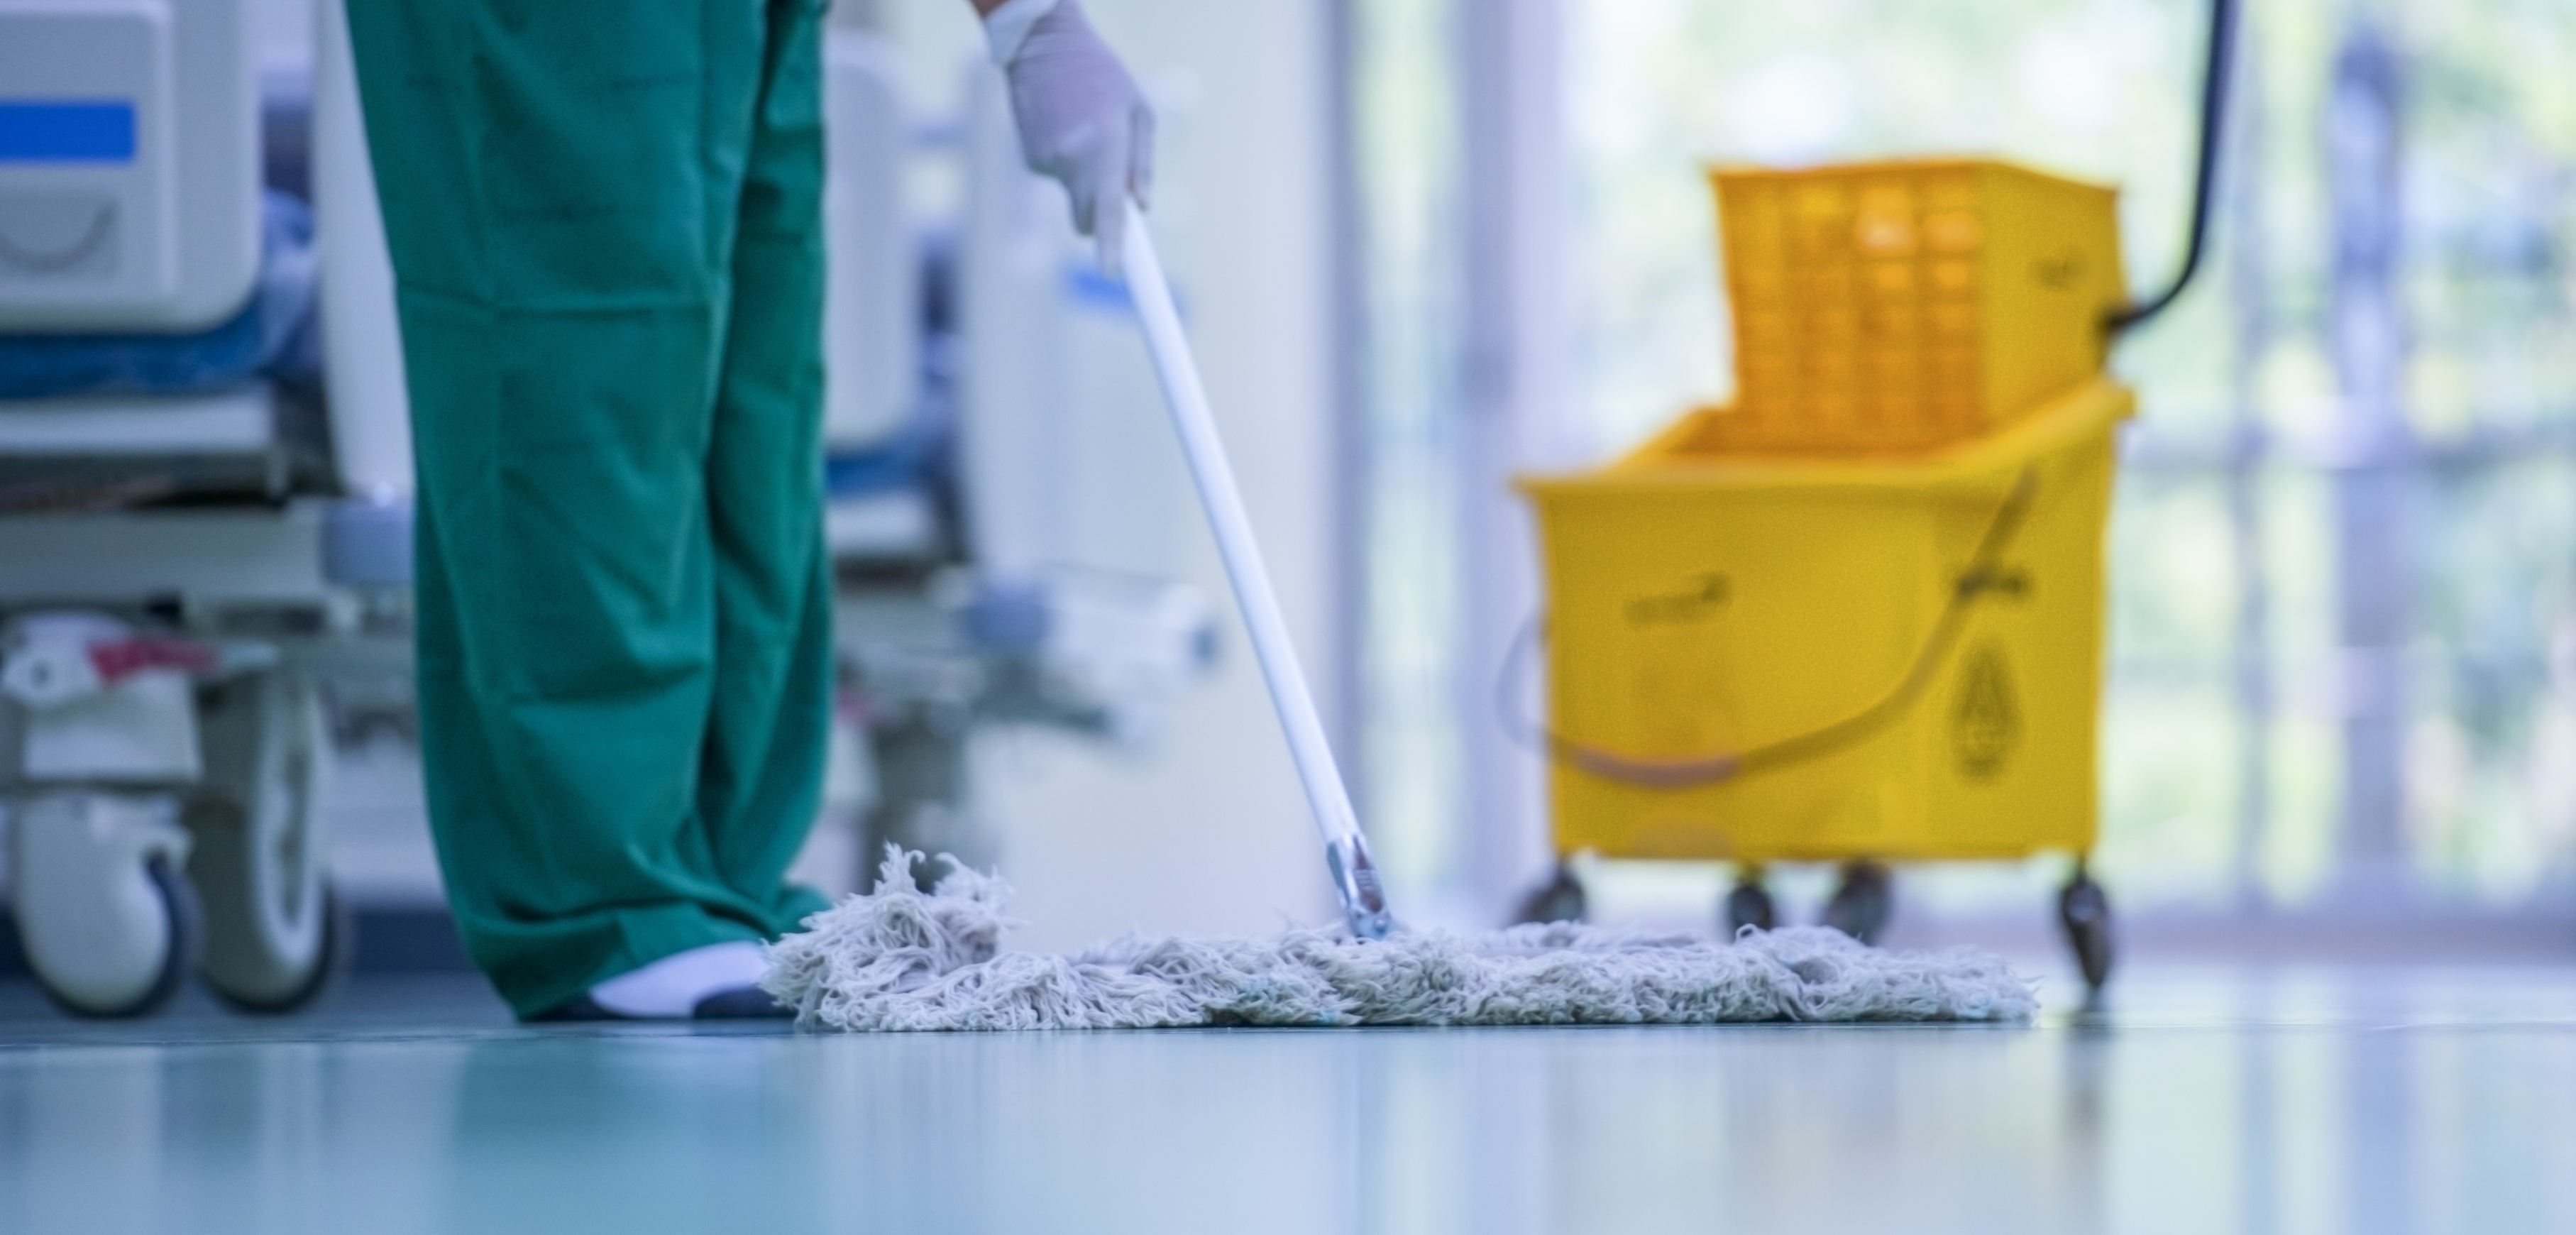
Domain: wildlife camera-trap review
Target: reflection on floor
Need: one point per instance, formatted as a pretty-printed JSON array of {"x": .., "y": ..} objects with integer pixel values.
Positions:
[{"x": 2203, "y": 1100}]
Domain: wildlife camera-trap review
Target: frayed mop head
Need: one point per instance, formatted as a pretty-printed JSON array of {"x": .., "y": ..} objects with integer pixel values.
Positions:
[{"x": 903, "y": 959}]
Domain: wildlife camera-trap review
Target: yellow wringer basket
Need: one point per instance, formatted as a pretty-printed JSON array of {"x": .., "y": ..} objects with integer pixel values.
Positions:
[{"x": 1856, "y": 615}]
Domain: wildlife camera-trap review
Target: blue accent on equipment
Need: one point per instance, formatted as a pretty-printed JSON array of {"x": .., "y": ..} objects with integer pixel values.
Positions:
[
  {"x": 65, "y": 132},
  {"x": 1088, "y": 287}
]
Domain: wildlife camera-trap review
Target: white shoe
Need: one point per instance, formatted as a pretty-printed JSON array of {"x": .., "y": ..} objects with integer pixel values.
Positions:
[{"x": 720, "y": 981}]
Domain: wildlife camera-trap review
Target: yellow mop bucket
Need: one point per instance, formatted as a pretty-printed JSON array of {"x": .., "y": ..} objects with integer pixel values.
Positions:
[
  {"x": 1857, "y": 616},
  {"x": 1884, "y": 657}
]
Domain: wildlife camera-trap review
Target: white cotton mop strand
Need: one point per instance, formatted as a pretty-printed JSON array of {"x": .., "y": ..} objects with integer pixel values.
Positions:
[{"x": 904, "y": 959}]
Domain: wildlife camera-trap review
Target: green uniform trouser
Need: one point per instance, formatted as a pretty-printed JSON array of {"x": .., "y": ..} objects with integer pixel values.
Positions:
[{"x": 605, "y": 221}]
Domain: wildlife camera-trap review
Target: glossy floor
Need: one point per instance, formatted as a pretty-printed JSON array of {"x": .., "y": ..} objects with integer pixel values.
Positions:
[{"x": 2205, "y": 1100}]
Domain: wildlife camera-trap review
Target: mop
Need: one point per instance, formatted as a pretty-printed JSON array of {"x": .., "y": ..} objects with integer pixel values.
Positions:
[{"x": 902, "y": 958}]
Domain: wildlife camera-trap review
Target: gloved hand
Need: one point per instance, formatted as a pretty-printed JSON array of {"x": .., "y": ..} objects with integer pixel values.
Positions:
[{"x": 1082, "y": 120}]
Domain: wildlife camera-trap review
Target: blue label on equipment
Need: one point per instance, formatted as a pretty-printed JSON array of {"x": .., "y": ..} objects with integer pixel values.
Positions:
[{"x": 50, "y": 132}]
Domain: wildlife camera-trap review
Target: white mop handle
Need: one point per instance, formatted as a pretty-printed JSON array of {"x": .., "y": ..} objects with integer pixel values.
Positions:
[{"x": 1187, "y": 398}]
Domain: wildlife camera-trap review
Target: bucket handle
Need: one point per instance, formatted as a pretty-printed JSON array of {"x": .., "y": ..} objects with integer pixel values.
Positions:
[{"x": 1984, "y": 574}]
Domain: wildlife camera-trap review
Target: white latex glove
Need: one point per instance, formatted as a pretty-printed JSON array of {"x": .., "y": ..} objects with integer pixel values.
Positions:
[{"x": 1082, "y": 121}]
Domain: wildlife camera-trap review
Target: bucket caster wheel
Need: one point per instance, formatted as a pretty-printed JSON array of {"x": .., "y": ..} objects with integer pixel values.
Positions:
[
  {"x": 110, "y": 926},
  {"x": 1560, "y": 899},
  {"x": 1749, "y": 904},
  {"x": 1861, "y": 905},
  {"x": 2085, "y": 913}
]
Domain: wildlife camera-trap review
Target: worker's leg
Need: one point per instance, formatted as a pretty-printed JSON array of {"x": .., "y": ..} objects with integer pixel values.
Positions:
[
  {"x": 560, "y": 185},
  {"x": 763, "y": 772}
]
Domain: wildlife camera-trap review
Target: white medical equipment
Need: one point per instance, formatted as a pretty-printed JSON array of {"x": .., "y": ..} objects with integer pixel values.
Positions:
[
  {"x": 182, "y": 573},
  {"x": 125, "y": 202},
  {"x": 1025, "y": 574}
]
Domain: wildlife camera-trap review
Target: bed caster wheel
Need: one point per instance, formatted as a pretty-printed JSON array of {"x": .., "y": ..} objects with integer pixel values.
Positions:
[
  {"x": 1749, "y": 904},
  {"x": 275, "y": 934},
  {"x": 275, "y": 973},
  {"x": 110, "y": 926},
  {"x": 2085, "y": 913},
  {"x": 1560, "y": 899},
  {"x": 1860, "y": 906}
]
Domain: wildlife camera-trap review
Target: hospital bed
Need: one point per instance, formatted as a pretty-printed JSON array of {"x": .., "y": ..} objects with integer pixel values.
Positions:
[{"x": 204, "y": 520}]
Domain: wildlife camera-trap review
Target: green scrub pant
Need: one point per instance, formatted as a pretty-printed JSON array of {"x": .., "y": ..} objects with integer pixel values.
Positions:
[{"x": 605, "y": 221}]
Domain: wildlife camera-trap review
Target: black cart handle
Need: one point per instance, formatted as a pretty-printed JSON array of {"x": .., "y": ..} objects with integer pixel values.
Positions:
[{"x": 2213, "y": 135}]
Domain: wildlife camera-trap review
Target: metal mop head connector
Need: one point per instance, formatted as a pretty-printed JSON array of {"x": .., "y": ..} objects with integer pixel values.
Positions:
[{"x": 1363, "y": 897}]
